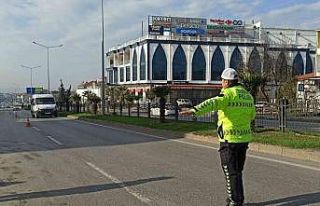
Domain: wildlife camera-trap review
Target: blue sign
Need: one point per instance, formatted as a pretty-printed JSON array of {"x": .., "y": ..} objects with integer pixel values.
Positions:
[
  {"x": 191, "y": 31},
  {"x": 30, "y": 90},
  {"x": 34, "y": 90}
]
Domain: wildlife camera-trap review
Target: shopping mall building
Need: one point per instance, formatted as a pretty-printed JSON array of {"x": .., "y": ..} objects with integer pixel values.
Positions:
[{"x": 189, "y": 54}]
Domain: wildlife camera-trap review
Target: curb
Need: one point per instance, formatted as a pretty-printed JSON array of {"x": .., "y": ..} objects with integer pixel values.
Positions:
[
  {"x": 301, "y": 154},
  {"x": 72, "y": 117}
]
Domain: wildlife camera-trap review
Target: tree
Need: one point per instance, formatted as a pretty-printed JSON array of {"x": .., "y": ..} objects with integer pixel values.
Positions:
[
  {"x": 252, "y": 82},
  {"x": 161, "y": 92},
  {"x": 129, "y": 99},
  {"x": 67, "y": 98},
  {"x": 76, "y": 98},
  {"x": 86, "y": 94},
  {"x": 61, "y": 95},
  {"x": 94, "y": 100},
  {"x": 150, "y": 95},
  {"x": 122, "y": 92}
]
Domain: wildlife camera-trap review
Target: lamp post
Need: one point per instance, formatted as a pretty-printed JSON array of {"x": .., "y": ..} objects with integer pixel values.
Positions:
[
  {"x": 103, "y": 104},
  {"x": 31, "y": 68},
  {"x": 48, "y": 48}
]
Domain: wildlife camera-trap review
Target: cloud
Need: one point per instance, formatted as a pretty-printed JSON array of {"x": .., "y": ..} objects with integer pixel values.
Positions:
[
  {"x": 77, "y": 25},
  {"x": 297, "y": 16}
]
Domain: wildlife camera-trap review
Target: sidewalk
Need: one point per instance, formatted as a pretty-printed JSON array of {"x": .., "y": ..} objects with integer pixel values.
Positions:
[{"x": 301, "y": 154}]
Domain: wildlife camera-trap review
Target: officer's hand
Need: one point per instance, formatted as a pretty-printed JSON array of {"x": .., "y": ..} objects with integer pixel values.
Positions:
[{"x": 185, "y": 113}]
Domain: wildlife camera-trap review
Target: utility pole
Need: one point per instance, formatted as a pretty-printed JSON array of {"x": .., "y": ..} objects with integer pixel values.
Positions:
[
  {"x": 103, "y": 105},
  {"x": 47, "y": 47},
  {"x": 31, "y": 68}
]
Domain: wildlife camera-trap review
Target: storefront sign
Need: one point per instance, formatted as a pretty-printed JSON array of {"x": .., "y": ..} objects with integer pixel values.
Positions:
[
  {"x": 161, "y": 21},
  {"x": 155, "y": 30},
  {"x": 190, "y": 31},
  {"x": 226, "y": 22}
]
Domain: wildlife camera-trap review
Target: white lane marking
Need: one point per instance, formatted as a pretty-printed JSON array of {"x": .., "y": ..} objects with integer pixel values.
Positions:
[
  {"x": 54, "y": 140},
  {"x": 36, "y": 128},
  {"x": 121, "y": 184},
  {"x": 205, "y": 146}
]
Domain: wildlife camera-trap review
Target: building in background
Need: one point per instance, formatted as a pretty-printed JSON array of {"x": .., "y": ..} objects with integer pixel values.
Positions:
[{"x": 189, "y": 54}]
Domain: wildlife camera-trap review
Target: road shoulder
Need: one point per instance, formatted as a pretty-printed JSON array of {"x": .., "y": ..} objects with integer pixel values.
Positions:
[{"x": 301, "y": 154}]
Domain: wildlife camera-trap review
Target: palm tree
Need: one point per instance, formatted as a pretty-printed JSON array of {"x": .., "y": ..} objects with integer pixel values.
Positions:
[
  {"x": 76, "y": 98},
  {"x": 130, "y": 98},
  {"x": 111, "y": 92},
  {"x": 162, "y": 92},
  {"x": 121, "y": 92},
  {"x": 150, "y": 96},
  {"x": 86, "y": 94},
  {"x": 94, "y": 100},
  {"x": 252, "y": 82}
]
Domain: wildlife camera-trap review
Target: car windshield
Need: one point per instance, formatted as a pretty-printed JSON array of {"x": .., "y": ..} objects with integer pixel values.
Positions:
[{"x": 47, "y": 100}]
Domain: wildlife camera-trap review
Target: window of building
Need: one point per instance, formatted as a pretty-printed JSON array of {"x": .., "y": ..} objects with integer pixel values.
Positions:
[
  {"x": 309, "y": 66},
  {"x": 179, "y": 64},
  {"x": 121, "y": 74},
  {"x": 116, "y": 76},
  {"x": 255, "y": 62},
  {"x": 267, "y": 64},
  {"x": 110, "y": 74},
  {"x": 159, "y": 64},
  {"x": 297, "y": 65},
  {"x": 281, "y": 68},
  {"x": 198, "y": 65},
  {"x": 127, "y": 73},
  {"x": 134, "y": 66},
  {"x": 236, "y": 61},
  {"x": 142, "y": 65},
  {"x": 217, "y": 64}
]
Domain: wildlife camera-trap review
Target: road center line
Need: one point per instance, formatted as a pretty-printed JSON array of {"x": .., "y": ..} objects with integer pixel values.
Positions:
[
  {"x": 36, "y": 128},
  {"x": 205, "y": 146},
  {"x": 120, "y": 183},
  {"x": 54, "y": 140}
]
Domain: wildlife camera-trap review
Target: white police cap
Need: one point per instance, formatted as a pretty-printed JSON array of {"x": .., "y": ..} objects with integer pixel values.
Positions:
[{"x": 229, "y": 74}]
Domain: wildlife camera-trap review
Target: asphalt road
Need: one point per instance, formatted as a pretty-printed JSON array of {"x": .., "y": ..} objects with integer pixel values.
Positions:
[{"x": 68, "y": 162}]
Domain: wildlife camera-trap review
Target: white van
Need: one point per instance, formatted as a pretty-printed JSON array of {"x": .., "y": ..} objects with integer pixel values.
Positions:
[
  {"x": 43, "y": 105},
  {"x": 184, "y": 103}
]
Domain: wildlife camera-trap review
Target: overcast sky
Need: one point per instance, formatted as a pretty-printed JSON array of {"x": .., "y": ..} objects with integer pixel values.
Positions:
[{"x": 77, "y": 25}]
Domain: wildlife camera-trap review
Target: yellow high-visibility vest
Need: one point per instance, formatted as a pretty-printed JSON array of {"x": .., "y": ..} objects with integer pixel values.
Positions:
[{"x": 236, "y": 110}]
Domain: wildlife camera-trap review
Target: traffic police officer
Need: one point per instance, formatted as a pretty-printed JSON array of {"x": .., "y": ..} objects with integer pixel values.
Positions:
[{"x": 236, "y": 110}]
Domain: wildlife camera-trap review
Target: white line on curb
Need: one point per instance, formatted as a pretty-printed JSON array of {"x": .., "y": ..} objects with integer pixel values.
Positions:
[
  {"x": 54, "y": 140},
  {"x": 205, "y": 146},
  {"x": 120, "y": 183}
]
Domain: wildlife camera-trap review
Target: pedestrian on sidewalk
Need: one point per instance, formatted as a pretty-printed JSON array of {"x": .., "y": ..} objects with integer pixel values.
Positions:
[{"x": 236, "y": 111}]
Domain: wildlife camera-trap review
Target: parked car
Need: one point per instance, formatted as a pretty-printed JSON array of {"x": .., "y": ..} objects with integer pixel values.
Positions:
[
  {"x": 169, "y": 110},
  {"x": 184, "y": 103}
]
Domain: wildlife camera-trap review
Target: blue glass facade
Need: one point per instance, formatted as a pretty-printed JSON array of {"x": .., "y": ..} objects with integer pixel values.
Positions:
[
  {"x": 179, "y": 65},
  {"x": 159, "y": 64},
  {"x": 297, "y": 66},
  {"x": 127, "y": 73},
  {"x": 309, "y": 66},
  {"x": 134, "y": 66},
  {"x": 217, "y": 64},
  {"x": 121, "y": 74},
  {"x": 236, "y": 59},
  {"x": 281, "y": 67},
  {"x": 198, "y": 65},
  {"x": 255, "y": 62},
  {"x": 142, "y": 65}
]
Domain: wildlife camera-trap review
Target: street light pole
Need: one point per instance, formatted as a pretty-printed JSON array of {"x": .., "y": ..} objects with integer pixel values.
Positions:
[
  {"x": 31, "y": 68},
  {"x": 103, "y": 105},
  {"x": 48, "y": 68}
]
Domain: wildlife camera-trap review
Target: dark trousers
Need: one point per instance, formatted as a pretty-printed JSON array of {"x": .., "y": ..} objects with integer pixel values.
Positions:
[{"x": 232, "y": 157}]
